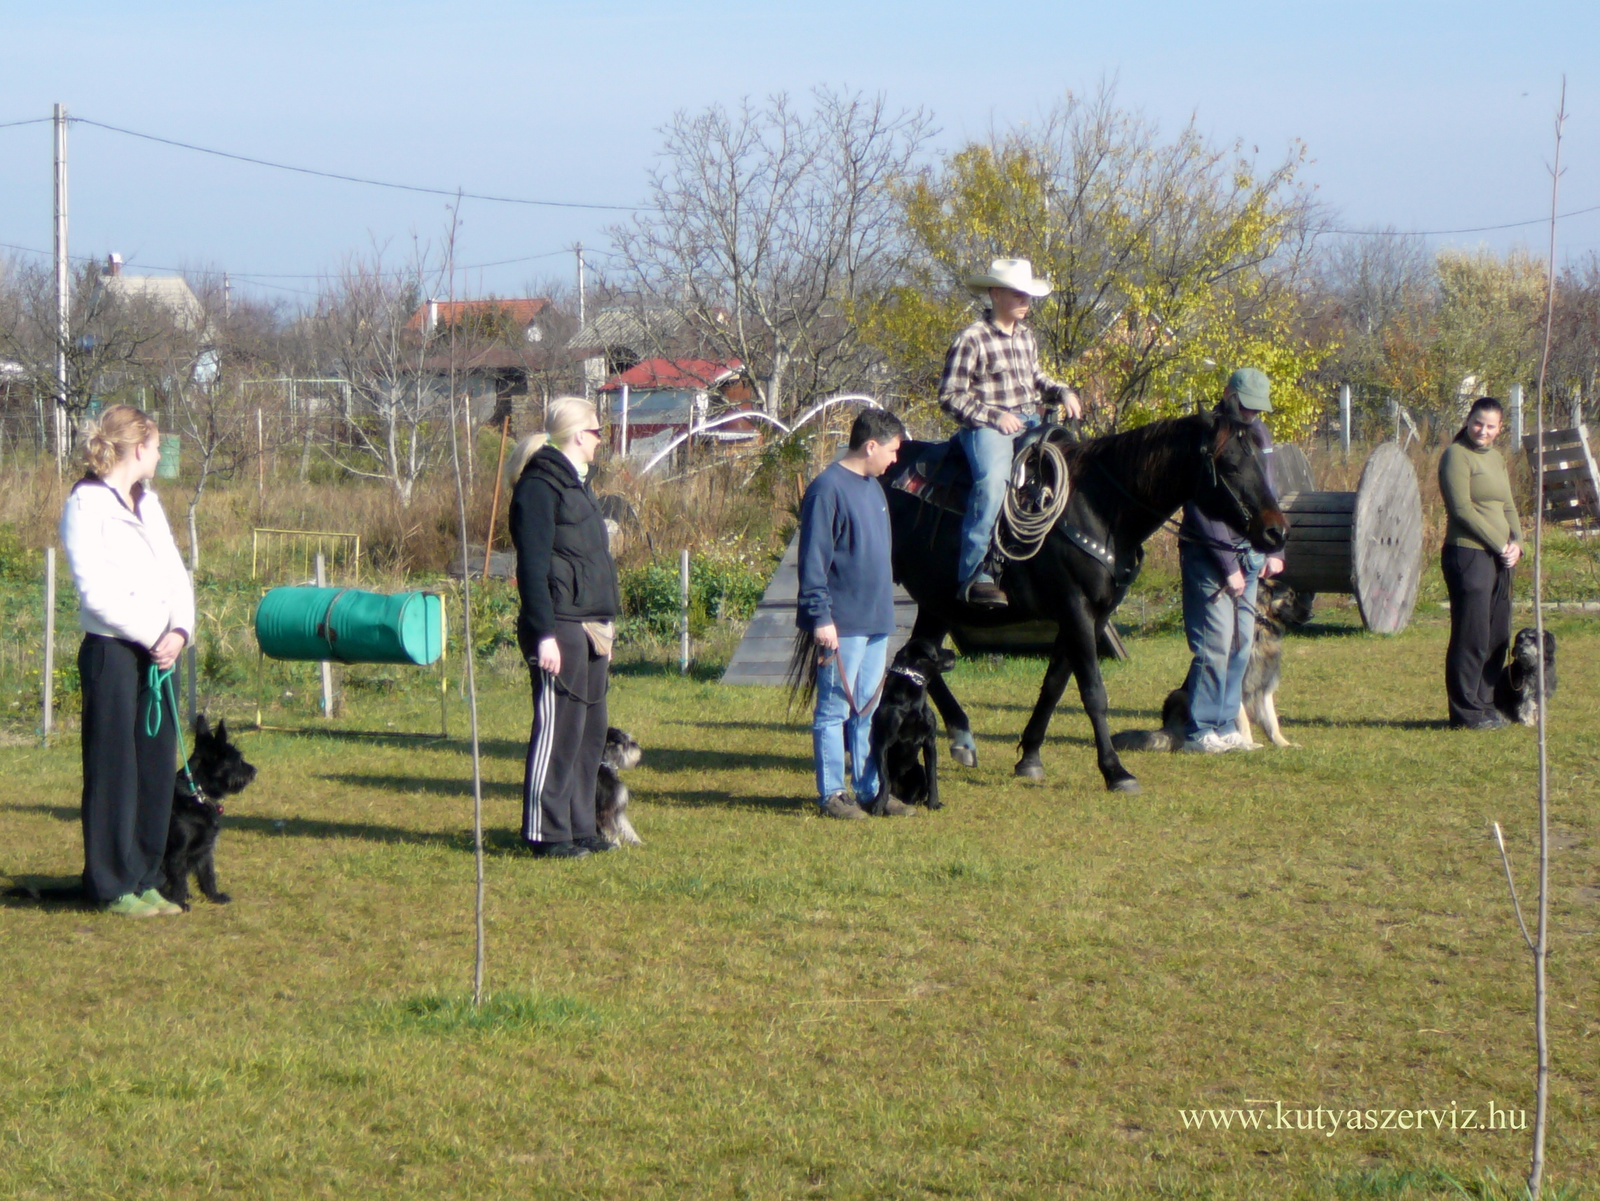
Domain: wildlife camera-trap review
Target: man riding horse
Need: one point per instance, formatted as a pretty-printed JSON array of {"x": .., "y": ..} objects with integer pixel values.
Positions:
[{"x": 993, "y": 385}]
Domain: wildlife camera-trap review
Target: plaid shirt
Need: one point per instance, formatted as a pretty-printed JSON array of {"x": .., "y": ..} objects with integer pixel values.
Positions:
[{"x": 989, "y": 373}]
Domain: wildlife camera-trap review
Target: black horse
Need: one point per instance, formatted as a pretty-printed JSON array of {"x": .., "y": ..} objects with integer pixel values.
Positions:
[{"x": 1123, "y": 487}]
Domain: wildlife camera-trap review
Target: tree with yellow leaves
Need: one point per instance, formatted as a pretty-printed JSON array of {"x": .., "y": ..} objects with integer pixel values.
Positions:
[{"x": 1173, "y": 263}]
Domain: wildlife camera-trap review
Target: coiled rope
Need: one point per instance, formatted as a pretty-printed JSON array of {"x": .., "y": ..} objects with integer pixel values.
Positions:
[{"x": 1031, "y": 509}]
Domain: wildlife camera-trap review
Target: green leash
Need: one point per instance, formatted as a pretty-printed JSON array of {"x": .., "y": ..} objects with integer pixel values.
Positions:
[{"x": 155, "y": 680}]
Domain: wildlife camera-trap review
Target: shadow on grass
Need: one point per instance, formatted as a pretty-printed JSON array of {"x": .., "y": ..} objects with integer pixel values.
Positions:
[
  {"x": 494, "y": 840},
  {"x": 29, "y": 891},
  {"x": 436, "y": 786},
  {"x": 705, "y": 673},
  {"x": 1374, "y": 723},
  {"x": 709, "y": 798}
]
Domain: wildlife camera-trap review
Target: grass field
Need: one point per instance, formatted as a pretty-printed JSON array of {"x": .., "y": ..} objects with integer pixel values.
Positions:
[{"x": 1014, "y": 997}]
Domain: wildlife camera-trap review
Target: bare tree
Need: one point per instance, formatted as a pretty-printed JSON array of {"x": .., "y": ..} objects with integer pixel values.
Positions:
[
  {"x": 397, "y": 424},
  {"x": 768, "y": 225},
  {"x": 109, "y": 348}
]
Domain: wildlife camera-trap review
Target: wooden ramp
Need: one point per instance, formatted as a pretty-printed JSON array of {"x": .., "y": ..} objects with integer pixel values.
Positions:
[
  {"x": 763, "y": 654},
  {"x": 1571, "y": 479}
]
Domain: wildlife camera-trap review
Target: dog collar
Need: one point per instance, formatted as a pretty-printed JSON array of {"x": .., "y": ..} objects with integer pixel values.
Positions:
[{"x": 916, "y": 677}]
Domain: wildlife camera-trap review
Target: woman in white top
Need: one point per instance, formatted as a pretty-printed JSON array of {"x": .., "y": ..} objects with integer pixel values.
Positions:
[{"x": 136, "y": 608}]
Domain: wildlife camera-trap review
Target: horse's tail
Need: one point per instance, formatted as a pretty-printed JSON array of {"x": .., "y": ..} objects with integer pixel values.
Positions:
[{"x": 801, "y": 676}]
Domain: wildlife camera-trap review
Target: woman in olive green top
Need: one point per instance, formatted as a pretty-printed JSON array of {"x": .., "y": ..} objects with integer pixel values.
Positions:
[{"x": 1482, "y": 543}]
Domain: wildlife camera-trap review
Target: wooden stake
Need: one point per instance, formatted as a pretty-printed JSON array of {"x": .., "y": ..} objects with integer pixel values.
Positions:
[
  {"x": 327, "y": 668},
  {"x": 47, "y": 719}
]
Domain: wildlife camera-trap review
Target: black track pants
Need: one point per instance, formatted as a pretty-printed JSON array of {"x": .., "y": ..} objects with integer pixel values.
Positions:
[
  {"x": 1480, "y": 630},
  {"x": 127, "y": 775},
  {"x": 569, "y": 734}
]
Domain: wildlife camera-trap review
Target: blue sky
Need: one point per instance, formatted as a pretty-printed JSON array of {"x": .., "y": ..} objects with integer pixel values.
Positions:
[{"x": 1420, "y": 115}]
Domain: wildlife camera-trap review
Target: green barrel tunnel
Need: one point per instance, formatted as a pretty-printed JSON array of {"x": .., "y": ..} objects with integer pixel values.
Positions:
[{"x": 347, "y": 625}]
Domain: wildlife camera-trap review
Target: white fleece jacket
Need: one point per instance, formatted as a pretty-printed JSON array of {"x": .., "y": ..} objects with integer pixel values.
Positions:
[{"x": 130, "y": 577}]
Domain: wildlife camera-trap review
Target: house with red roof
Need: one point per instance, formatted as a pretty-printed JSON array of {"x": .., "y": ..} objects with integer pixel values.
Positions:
[{"x": 656, "y": 400}]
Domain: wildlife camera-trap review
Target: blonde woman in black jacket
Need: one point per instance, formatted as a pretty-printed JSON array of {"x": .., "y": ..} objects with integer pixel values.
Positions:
[
  {"x": 565, "y": 626},
  {"x": 136, "y": 607}
]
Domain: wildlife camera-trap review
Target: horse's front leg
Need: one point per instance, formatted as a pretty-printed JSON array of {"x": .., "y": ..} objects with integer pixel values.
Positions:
[
  {"x": 962, "y": 748},
  {"x": 1055, "y": 683},
  {"x": 1081, "y": 629}
]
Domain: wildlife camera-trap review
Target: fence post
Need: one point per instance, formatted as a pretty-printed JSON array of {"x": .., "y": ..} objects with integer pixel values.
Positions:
[
  {"x": 1516, "y": 417},
  {"x": 47, "y": 720},
  {"x": 327, "y": 668},
  {"x": 683, "y": 589},
  {"x": 1344, "y": 419}
]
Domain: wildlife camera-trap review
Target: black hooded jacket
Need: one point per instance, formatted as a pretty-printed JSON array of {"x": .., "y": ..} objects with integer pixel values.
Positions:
[{"x": 564, "y": 567}]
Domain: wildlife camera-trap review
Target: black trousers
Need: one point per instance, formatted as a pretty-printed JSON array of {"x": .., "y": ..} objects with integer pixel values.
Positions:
[
  {"x": 569, "y": 734},
  {"x": 1480, "y": 630},
  {"x": 127, "y": 774}
]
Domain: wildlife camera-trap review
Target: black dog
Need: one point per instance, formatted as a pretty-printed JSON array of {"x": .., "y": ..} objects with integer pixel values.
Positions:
[
  {"x": 219, "y": 770},
  {"x": 1516, "y": 693},
  {"x": 610, "y": 793},
  {"x": 905, "y": 731}
]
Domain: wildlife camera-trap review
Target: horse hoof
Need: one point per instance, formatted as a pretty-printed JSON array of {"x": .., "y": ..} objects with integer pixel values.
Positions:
[
  {"x": 1127, "y": 784},
  {"x": 1029, "y": 768},
  {"x": 965, "y": 755}
]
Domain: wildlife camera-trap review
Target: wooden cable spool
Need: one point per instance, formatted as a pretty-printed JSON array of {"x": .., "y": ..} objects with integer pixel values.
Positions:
[{"x": 1367, "y": 542}]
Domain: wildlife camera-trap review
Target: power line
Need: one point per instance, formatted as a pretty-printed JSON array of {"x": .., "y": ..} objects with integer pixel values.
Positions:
[
  {"x": 375, "y": 183},
  {"x": 29, "y": 121},
  {"x": 263, "y": 275},
  {"x": 1435, "y": 233}
]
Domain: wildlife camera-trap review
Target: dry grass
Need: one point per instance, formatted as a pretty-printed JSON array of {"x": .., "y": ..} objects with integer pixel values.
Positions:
[{"x": 1010, "y": 998}]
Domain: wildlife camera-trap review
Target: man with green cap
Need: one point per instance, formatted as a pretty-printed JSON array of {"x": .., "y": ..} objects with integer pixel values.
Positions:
[{"x": 1220, "y": 573}]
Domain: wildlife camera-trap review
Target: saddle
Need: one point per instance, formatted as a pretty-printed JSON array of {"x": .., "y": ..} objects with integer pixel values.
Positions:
[{"x": 938, "y": 474}]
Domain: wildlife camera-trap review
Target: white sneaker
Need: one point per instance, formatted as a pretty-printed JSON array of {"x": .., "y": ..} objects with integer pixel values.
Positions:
[
  {"x": 1238, "y": 742},
  {"x": 1209, "y": 743}
]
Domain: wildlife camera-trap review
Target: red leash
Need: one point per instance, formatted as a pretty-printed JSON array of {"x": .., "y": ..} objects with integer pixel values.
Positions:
[{"x": 826, "y": 659}]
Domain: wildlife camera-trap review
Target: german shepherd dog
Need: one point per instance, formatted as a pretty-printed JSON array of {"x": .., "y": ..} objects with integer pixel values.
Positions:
[
  {"x": 1516, "y": 694},
  {"x": 905, "y": 731},
  {"x": 610, "y": 793},
  {"x": 219, "y": 770},
  {"x": 1277, "y": 607}
]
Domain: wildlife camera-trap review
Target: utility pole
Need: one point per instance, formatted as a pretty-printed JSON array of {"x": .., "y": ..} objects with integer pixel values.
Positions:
[
  {"x": 63, "y": 300},
  {"x": 582, "y": 316},
  {"x": 227, "y": 297},
  {"x": 580, "y": 286}
]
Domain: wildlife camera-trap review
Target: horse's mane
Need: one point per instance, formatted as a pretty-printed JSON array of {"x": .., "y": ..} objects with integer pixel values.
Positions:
[{"x": 1140, "y": 458}]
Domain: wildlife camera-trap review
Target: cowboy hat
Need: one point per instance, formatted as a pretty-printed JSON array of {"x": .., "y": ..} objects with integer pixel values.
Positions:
[{"x": 1016, "y": 274}]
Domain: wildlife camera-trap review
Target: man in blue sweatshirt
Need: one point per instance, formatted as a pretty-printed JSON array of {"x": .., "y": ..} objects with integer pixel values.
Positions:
[{"x": 846, "y": 601}]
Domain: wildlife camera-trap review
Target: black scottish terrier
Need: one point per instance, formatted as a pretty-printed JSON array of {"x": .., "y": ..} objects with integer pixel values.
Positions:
[{"x": 218, "y": 769}]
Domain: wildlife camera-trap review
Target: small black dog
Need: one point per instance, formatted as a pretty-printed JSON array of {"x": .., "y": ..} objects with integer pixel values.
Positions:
[
  {"x": 905, "y": 731},
  {"x": 610, "y": 793},
  {"x": 219, "y": 770},
  {"x": 1516, "y": 694}
]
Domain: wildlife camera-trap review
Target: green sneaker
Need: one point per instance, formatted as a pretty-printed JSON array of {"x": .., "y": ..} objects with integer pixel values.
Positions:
[
  {"x": 129, "y": 905},
  {"x": 159, "y": 903}
]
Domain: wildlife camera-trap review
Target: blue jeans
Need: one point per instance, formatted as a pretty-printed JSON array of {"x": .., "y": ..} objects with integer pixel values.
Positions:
[
  {"x": 989, "y": 453},
  {"x": 1220, "y": 630},
  {"x": 833, "y": 728}
]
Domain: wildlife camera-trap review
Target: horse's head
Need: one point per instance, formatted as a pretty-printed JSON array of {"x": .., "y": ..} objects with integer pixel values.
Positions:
[{"x": 1233, "y": 479}]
